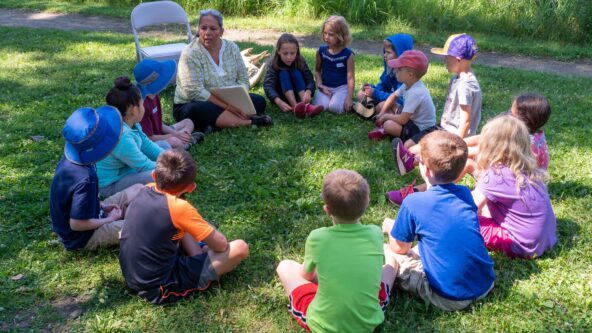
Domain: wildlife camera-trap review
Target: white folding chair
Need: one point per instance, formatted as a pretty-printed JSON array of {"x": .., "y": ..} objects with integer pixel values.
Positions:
[{"x": 157, "y": 13}]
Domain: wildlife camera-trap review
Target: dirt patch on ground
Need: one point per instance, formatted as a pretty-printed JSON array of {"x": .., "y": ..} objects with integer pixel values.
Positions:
[
  {"x": 43, "y": 20},
  {"x": 65, "y": 309}
]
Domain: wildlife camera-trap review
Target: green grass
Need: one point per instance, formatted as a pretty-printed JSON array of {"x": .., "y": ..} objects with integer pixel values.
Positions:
[
  {"x": 505, "y": 27},
  {"x": 263, "y": 186}
]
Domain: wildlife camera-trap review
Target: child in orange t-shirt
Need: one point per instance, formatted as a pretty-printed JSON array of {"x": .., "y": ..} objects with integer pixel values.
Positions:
[{"x": 160, "y": 256}]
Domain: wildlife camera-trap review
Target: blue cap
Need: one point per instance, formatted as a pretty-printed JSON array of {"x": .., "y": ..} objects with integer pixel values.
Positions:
[
  {"x": 153, "y": 76},
  {"x": 92, "y": 134}
]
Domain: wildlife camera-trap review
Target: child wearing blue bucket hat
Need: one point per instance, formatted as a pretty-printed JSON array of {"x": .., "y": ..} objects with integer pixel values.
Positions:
[
  {"x": 152, "y": 77},
  {"x": 79, "y": 218}
]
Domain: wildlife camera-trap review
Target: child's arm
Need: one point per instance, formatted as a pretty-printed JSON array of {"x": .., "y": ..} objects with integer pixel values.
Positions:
[
  {"x": 216, "y": 241},
  {"x": 465, "y": 121},
  {"x": 388, "y": 104},
  {"x": 269, "y": 86},
  {"x": 310, "y": 276},
  {"x": 128, "y": 152},
  {"x": 113, "y": 214},
  {"x": 309, "y": 83},
  {"x": 480, "y": 200},
  {"x": 395, "y": 245},
  {"x": 400, "y": 119},
  {"x": 351, "y": 82},
  {"x": 379, "y": 92},
  {"x": 318, "y": 75}
]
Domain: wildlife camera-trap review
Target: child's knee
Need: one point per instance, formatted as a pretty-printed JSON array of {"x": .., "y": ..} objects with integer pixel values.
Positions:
[
  {"x": 242, "y": 248},
  {"x": 187, "y": 123},
  {"x": 410, "y": 143},
  {"x": 285, "y": 266},
  {"x": 392, "y": 127}
]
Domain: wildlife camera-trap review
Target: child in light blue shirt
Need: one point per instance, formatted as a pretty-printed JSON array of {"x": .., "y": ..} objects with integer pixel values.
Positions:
[{"x": 134, "y": 157}]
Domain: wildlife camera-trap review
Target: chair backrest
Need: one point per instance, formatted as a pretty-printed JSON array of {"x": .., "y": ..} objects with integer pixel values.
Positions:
[{"x": 156, "y": 13}]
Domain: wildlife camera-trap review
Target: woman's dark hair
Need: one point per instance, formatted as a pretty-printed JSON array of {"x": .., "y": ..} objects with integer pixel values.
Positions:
[
  {"x": 277, "y": 62},
  {"x": 123, "y": 95},
  {"x": 534, "y": 110}
]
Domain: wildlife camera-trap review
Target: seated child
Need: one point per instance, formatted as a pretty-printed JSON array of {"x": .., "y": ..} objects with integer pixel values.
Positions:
[
  {"x": 462, "y": 110},
  {"x": 79, "y": 218},
  {"x": 518, "y": 219},
  {"x": 418, "y": 116},
  {"x": 342, "y": 286},
  {"x": 153, "y": 77},
  {"x": 393, "y": 47},
  {"x": 289, "y": 83},
  {"x": 334, "y": 68},
  {"x": 133, "y": 158},
  {"x": 160, "y": 257},
  {"x": 452, "y": 268},
  {"x": 532, "y": 109}
]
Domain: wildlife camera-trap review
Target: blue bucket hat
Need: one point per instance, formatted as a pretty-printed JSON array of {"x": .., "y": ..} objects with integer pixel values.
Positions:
[
  {"x": 91, "y": 134},
  {"x": 153, "y": 76}
]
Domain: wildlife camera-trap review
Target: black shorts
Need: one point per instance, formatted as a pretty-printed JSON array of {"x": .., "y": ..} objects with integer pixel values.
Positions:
[
  {"x": 189, "y": 275},
  {"x": 408, "y": 131},
  {"x": 419, "y": 135},
  {"x": 204, "y": 113}
]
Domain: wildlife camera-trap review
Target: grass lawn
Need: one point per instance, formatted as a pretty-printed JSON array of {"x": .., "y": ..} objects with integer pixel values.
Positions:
[
  {"x": 261, "y": 185},
  {"x": 306, "y": 25}
]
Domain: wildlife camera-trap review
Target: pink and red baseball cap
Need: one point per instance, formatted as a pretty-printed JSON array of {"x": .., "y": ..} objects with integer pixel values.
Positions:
[
  {"x": 460, "y": 45},
  {"x": 413, "y": 59}
]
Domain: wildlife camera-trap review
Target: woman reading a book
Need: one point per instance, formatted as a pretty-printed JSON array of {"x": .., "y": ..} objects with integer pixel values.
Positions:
[{"x": 212, "y": 62}]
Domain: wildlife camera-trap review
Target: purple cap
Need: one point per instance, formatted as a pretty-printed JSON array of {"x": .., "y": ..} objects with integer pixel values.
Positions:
[{"x": 461, "y": 46}]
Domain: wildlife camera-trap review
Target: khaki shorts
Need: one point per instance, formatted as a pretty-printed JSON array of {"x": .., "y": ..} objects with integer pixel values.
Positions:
[
  {"x": 108, "y": 233},
  {"x": 412, "y": 278}
]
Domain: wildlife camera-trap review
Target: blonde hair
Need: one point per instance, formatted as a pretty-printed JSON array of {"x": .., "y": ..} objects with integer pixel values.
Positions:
[
  {"x": 340, "y": 29},
  {"x": 346, "y": 193},
  {"x": 505, "y": 141}
]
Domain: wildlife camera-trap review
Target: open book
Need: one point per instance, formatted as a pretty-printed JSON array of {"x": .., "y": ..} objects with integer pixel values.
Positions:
[{"x": 237, "y": 96}]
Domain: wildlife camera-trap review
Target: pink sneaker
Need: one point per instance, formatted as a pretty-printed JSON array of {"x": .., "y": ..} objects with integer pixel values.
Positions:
[
  {"x": 377, "y": 134},
  {"x": 300, "y": 110},
  {"x": 396, "y": 197},
  {"x": 313, "y": 110},
  {"x": 403, "y": 158}
]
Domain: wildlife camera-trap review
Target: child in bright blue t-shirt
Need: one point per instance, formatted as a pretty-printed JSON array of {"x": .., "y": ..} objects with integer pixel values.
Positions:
[{"x": 452, "y": 265}]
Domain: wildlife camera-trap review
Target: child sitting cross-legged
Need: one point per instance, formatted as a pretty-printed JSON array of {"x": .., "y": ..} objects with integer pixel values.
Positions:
[
  {"x": 516, "y": 213},
  {"x": 393, "y": 47},
  {"x": 160, "y": 256},
  {"x": 153, "y": 77},
  {"x": 418, "y": 115},
  {"x": 79, "y": 218},
  {"x": 342, "y": 286},
  {"x": 450, "y": 266}
]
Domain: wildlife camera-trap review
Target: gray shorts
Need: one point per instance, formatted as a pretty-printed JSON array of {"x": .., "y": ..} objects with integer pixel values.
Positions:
[
  {"x": 186, "y": 278},
  {"x": 412, "y": 278}
]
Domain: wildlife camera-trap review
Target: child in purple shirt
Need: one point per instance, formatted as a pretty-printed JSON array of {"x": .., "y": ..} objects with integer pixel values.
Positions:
[{"x": 516, "y": 216}]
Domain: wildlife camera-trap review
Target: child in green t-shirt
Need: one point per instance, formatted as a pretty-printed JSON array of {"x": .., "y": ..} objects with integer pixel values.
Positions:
[{"x": 343, "y": 284}]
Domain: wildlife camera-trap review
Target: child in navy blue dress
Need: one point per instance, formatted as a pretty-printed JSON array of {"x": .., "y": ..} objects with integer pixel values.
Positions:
[
  {"x": 334, "y": 70},
  {"x": 289, "y": 83}
]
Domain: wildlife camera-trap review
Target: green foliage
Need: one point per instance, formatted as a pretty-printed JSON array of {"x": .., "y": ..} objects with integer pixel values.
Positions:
[
  {"x": 261, "y": 185},
  {"x": 556, "y": 20}
]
